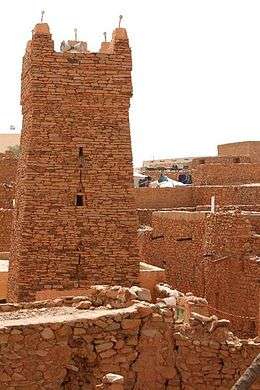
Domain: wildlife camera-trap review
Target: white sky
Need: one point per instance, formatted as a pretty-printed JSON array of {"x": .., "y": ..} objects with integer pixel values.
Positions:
[{"x": 196, "y": 66}]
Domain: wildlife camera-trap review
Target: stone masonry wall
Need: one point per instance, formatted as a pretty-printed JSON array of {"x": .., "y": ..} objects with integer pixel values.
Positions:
[
  {"x": 75, "y": 219},
  {"x": 155, "y": 174},
  {"x": 222, "y": 160},
  {"x": 156, "y": 198},
  {"x": 6, "y": 196},
  {"x": 225, "y": 174},
  {"x": 249, "y": 148},
  {"x": 72, "y": 344},
  {"x": 8, "y": 167},
  {"x": 192, "y": 196},
  {"x": 211, "y": 255},
  {"x": 6, "y": 217},
  {"x": 231, "y": 270},
  {"x": 176, "y": 243}
]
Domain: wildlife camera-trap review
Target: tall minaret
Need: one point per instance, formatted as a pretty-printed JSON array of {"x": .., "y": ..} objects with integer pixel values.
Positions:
[{"x": 75, "y": 218}]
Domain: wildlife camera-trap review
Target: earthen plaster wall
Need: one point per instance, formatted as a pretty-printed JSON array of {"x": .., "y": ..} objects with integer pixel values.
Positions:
[{"x": 75, "y": 218}]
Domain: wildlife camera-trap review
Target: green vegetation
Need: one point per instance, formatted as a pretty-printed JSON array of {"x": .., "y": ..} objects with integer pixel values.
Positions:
[{"x": 15, "y": 150}]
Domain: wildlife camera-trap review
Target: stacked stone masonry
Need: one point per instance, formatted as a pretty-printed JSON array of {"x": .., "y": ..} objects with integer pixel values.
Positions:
[
  {"x": 228, "y": 169},
  {"x": 225, "y": 174},
  {"x": 212, "y": 255},
  {"x": 162, "y": 198},
  {"x": 72, "y": 343},
  {"x": 8, "y": 167},
  {"x": 6, "y": 217},
  {"x": 247, "y": 148},
  {"x": 152, "y": 199},
  {"x": 75, "y": 220}
]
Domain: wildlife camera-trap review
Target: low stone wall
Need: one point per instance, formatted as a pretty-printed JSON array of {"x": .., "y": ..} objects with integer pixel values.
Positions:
[
  {"x": 192, "y": 196},
  {"x": 226, "y": 174},
  {"x": 3, "y": 284},
  {"x": 155, "y": 173},
  {"x": 223, "y": 160},
  {"x": 73, "y": 346},
  {"x": 8, "y": 167},
  {"x": 158, "y": 198},
  {"x": 6, "y": 196},
  {"x": 6, "y": 217},
  {"x": 247, "y": 148},
  {"x": 227, "y": 195}
]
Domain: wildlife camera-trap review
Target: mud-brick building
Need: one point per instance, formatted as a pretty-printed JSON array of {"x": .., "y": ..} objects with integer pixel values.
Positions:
[{"x": 75, "y": 219}]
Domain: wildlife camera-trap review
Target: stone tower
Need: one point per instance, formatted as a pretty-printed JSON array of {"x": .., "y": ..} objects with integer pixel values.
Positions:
[{"x": 75, "y": 219}]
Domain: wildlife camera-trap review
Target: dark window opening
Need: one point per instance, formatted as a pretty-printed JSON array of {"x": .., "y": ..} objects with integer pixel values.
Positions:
[
  {"x": 236, "y": 160},
  {"x": 80, "y": 200},
  {"x": 156, "y": 237},
  {"x": 73, "y": 60},
  {"x": 202, "y": 161},
  {"x": 81, "y": 151},
  {"x": 184, "y": 239}
]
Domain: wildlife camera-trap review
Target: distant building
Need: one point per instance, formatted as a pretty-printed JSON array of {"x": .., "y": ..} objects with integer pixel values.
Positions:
[
  {"x": 246, "y": 148},
  {"x": 167, "y": 163}
]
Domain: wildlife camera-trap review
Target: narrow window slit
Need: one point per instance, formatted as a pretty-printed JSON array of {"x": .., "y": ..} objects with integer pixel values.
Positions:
[
  {"x": 157, "y": 237},
  {"x": 80, "y": 200},
  {"x": 81, "y": 154}
]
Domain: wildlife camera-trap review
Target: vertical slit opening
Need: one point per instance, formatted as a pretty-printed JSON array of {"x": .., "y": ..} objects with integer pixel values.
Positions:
[
  {"x": 81, "y": 151},
  {"x": 79, "y": 200}
]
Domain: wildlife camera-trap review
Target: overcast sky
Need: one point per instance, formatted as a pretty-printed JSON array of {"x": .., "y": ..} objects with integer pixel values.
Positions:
[{"x": 196, "y": 66}]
